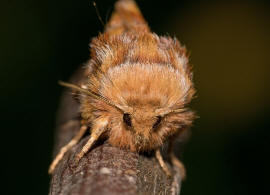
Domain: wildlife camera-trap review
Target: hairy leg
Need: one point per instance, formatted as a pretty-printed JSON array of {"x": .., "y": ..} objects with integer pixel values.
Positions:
[
  {"x": 98, "y": 128},
  {"x": 162, "y": 163},
  {"x": 67, "y": 147}
]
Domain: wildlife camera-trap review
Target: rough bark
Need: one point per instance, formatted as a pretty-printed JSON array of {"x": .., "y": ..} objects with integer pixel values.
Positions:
[{"x": 104, "y": 169}]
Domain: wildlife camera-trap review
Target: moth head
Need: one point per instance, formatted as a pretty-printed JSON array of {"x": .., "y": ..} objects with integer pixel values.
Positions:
[{"x": 149, "y": 129}]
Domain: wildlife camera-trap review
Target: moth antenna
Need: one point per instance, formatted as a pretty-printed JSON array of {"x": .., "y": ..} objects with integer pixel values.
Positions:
[
  {"x": 90, "y": 93},
  {"x": 180, "y": 110},
  {"x": 98, "y": 14}
]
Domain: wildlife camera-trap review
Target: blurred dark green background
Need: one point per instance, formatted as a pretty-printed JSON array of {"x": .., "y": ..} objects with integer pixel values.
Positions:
[{"x": 45, "y": 41}]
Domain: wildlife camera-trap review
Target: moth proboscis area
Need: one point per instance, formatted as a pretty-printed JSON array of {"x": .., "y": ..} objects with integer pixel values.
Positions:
[{"x": 137, "y": 88}]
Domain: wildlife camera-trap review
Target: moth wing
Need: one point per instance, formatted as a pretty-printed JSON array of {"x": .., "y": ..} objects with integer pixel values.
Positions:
[{"x": 126, "y": 17}]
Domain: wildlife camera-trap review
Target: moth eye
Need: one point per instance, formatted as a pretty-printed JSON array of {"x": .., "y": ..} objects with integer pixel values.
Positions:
[
  {"x": 157, "y": 122},
  {"x": 127, "y": 119}
]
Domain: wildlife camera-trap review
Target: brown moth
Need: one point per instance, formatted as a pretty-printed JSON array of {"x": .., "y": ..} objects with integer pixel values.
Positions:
[{"x": 137, "y": 88}]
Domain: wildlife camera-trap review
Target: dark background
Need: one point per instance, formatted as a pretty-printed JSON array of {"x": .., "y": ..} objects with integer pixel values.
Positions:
[{"x": 42, "y": 42}]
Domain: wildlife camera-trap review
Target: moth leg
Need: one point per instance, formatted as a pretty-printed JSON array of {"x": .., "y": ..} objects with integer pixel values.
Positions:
[
  {"x": 176, "y": 162},
  {"x": 67, "y": 147},
  {"x": 162, "y": 163},
  {"x": 98, "y": 128}
]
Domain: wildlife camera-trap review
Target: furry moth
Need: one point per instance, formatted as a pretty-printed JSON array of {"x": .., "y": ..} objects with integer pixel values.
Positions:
[{"x": 137, "y": 88}]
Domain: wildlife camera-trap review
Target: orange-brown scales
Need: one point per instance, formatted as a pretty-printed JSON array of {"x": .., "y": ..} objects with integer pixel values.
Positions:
[{"x": 137, "y": 88}]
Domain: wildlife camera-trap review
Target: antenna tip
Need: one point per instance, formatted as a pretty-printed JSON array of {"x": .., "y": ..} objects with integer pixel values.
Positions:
[{"x": 60, "y": 82}]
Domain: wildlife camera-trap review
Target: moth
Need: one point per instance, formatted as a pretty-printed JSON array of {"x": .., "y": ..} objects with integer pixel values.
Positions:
[{"x": 136, "y": 91}]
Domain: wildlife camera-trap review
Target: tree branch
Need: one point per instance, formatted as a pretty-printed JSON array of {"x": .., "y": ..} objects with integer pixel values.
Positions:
[{"x": 104, "y": 169}]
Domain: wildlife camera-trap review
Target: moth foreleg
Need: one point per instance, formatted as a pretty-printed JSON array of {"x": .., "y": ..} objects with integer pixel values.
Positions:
[
  {"x": 162, "y": 163},
  {"x": 98, "y": 128},
  {"x": 67, "y": 147}
]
